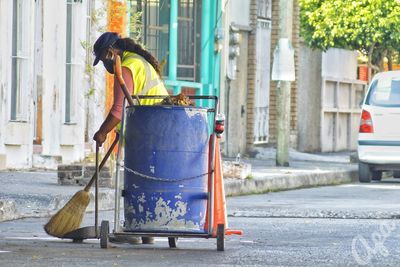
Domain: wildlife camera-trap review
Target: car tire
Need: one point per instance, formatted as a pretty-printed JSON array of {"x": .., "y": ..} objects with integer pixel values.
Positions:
[
  {"x": 396, "y": 174},
  {"x": 364, "y": 173},
  {"x": 376, "y": 175}
]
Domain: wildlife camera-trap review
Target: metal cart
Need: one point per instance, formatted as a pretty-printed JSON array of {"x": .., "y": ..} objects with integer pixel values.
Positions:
[{"x": 119, "y": 234}]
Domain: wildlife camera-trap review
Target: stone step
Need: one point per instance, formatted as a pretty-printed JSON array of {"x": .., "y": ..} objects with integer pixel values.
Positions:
[{"x": 80, "y": 174}]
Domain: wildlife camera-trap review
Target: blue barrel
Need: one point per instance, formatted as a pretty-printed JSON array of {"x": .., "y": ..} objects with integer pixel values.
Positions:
[{"x": 166, "y": 169}]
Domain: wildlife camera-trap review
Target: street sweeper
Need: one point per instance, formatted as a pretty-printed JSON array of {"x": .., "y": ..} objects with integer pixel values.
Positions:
[{"x": 141, "y": 75}]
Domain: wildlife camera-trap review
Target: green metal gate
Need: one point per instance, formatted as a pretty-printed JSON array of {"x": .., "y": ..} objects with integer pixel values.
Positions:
[{"x": 181, "y": 34}]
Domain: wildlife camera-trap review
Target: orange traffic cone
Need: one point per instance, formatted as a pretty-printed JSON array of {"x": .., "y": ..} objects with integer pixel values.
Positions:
[{"x": 220, "y": 214}]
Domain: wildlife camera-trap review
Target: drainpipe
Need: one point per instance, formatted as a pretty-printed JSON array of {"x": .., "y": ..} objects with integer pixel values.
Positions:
[
  {"x": 173, "y": 44},
  {"x": 206, "y": 41}
]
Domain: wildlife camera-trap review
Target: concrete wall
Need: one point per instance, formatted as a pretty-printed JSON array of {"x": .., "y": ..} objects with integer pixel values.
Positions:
[
  {"x": 236, "y": 95},
  {"x": 15, "y": 136},
  {"x": 59, "y": 137},
  {"x": 309, "y": 91},
  {"x": 339, "y": 63},
  {"x": 95, "y": 88},
  {"x": 6, "y": 29},
  {"x": 234, "y": 79},
  {"x": 326, "y": 70},
  {"x": 45, "y": 77},
  {"x": 239, "y": 12}
]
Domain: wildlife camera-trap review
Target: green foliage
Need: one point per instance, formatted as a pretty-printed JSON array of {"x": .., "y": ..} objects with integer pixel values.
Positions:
[
  {"x": 89, "y": 70},
  {"x": 364, "y": 25},
  {"x": 135, "y": 25},
  {"x": 96, "y": 16},
  {"x": 90, "y": 92}
]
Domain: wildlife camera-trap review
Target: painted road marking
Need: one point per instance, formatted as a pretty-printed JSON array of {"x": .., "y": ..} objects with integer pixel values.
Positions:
[
  {"x": 31, "y": 238},
  {"x": 4, "y": 251},
  {"x": 53, "y": 239},
  {"x": 157, "y": 239},
  {"x": 247, "y": 241}
]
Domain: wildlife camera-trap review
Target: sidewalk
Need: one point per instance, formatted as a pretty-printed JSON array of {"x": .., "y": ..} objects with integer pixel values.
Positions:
[
  {"x": 37, "y": 194},
  {"x": 305, "y": 170}
]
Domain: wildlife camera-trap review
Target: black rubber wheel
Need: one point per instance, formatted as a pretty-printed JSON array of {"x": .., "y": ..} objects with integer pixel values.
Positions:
[
  {"x": 376, "y": 175},
  {"x": 221, "y": 237},
  {"x": 364, "y": 173},
  {"x": 149, "y": 240},
  {"x": 396, "y": 174},
  {"x": 172, "y": 242},
  {"x": 104, "y": 234}
]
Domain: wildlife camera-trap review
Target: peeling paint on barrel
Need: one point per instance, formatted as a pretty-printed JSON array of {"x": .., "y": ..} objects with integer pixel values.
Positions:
[
  {"x": 135, "y": 186},
  {"x": 130, "y": 209},
  {"x": 194, "y": 112},
  {"x": 191, "y": 112},
  {"x": 164, "y": 217},
  {"x": 142, "y": 198}
]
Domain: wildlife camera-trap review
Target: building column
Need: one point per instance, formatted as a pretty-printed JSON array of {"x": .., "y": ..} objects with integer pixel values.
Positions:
[{"x": 116, "y": 22}]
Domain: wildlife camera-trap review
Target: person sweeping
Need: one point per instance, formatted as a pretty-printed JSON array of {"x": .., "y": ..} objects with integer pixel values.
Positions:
[
  {"x": 142, "y": 76},
  {"x": 140, "y": 71}
]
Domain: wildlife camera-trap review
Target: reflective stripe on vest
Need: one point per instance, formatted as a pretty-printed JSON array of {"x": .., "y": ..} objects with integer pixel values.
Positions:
[{"x": 150, "y": 83}]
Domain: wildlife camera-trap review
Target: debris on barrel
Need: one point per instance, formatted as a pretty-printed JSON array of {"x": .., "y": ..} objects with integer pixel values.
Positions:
[{"x": 179, "y": 100}]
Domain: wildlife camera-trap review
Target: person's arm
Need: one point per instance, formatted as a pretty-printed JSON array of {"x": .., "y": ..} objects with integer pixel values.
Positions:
[{"x": 115, "y": 114}]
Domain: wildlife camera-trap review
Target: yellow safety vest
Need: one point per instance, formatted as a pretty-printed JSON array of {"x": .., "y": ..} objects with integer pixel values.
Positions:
[{"x": 145, "y": 78}]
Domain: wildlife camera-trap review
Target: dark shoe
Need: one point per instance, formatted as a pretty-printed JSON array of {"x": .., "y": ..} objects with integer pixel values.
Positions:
[
  {"x": 147, "y": 240},
  {"x": 134, "y": 240}
]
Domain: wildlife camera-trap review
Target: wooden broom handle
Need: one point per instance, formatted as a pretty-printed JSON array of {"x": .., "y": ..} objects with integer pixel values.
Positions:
[
  {"x": 118, "y": 73},
  {"x": 103, "y": 162}
]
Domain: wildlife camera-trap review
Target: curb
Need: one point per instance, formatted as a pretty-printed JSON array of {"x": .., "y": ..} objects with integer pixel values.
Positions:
[
  {"x": 233, "y": 187},
  {"x": 7, "y": 210},
  {"x": 286, "y": 182}
]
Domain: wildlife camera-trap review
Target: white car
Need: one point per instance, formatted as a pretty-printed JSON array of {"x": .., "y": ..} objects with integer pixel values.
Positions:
[{"x": 379, "y": 134}]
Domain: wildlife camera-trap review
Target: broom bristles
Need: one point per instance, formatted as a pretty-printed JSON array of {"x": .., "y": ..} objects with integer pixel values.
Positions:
[{"x": 69, "y": 218}]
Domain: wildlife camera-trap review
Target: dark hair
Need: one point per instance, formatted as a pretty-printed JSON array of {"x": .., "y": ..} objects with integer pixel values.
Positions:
[{"x": 127, "y": 44}]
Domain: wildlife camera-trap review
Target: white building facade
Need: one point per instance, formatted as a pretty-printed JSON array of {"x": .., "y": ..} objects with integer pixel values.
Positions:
[{"x": 47, "y": 93}]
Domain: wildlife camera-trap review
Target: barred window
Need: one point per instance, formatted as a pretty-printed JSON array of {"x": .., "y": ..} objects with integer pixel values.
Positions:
[
  {"x": 72, "y": 46},
  {"x": 20, "y": 59},
  {"x": 264, "y": 9},
  {"x": 155, "y": 33}
]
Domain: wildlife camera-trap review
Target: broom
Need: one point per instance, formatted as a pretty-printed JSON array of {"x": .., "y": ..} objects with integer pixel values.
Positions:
[{"x": 69, "y": 218}]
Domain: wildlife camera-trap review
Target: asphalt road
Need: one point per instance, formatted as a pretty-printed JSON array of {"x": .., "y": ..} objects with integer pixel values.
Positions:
[{"x": 347, "y": 225}]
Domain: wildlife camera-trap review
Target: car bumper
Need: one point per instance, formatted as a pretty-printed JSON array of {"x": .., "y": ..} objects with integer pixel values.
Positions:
[{"x": 379, "y": 152}]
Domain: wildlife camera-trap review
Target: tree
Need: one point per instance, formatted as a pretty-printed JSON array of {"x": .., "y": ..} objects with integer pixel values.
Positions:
[{"x": 370, "y": 26}]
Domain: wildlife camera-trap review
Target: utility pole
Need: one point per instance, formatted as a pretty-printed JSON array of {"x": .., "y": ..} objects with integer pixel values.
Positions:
[{"x": 283, "y": 72}]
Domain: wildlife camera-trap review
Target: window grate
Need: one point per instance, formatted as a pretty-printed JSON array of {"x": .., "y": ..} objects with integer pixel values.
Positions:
[{"x": 155, "y": 34}]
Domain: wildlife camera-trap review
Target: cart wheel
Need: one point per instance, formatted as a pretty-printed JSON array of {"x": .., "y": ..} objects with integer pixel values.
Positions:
[
  {"x": 104, "y": 232},
  {"x": 220, "y": 237},
  {"x": 173, "y": 242}
]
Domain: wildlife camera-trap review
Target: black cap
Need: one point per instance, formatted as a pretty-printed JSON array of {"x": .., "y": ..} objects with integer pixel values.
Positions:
[{"x": 103, "y": 42}]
